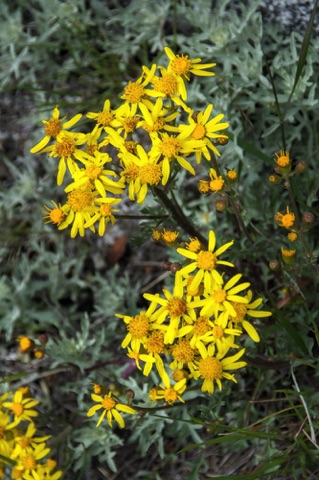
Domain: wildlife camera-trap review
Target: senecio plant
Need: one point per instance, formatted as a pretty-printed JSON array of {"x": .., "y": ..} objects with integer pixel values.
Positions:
[
  {"x": 20, "y": 446},
  {"x": 190, "y": 336}
]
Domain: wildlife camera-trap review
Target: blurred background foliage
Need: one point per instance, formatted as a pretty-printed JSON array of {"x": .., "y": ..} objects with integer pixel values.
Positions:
[{"x": 76, "y": 54}]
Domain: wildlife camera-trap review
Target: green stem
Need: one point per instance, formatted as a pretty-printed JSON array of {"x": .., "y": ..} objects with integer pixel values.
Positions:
[{"x": 178, "y": 215}]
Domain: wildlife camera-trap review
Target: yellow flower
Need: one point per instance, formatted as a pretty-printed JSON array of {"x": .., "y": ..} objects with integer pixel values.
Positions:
[
  {"x": 243, "y": 309},
  {"x": 288, "y": 256},
  {"x": 154, "y": 116},
  {"x": 53, "y": 127},
  {"x": 27, "y": 442},
  {"x": 213, "y": 368},
  {"x": 28, "y": 460},
  {"x": 104, "y": 215},
  {"x": 169, "y": 236},
  {"x": 285, "y": 220},
  {"x": 206, "y": 261},
  {"x": 170, "y": 393},
  {"x": 174, "y": 307},
  {"x": 55, "y": 215},
  {"x": 141, "y": 171},
  {"x": 292, "y": 236},
  {"x": 81, "y": 208},
  {"x": 282, "y": 159},
  {"x": 182, "y": 65},
  {"x": 95, "y": 174},
  {"x": 201, "y": 128},
  {"x": 134, "y": 92},
  {"x": 216, "y": 183},
  {"x": 25, "y": 344},
  {"x": 104, "y": 118},
  {"x": 111, "y": 409},
  {"x": 22, "y": 407},
  {"x": 168, "y": 85}
]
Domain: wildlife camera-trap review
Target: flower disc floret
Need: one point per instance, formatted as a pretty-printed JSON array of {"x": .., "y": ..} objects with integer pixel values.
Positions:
[
  {"x": 176, "y": 307},
  {"x": 79, "y": 199},
  {"x": 139, "y": 326},
  {"x": 206, "y": 260}
]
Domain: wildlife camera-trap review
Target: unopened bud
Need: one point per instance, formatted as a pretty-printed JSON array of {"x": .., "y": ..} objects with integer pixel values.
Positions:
[
  {"x": 130, "y": 394},
  {"x": 175, "y": 267},
  {"x": 301, "y": 166},
  {"x": 275, "y": 179},
  {"x": 43, "y": 338},
  {"x": 221, "y": 204},
  {"x": 221, "y": 141},
  {"x": 308, "y": 218},
  {"x": 167, "y": 265},
  {"x": 274, "y": 265}
]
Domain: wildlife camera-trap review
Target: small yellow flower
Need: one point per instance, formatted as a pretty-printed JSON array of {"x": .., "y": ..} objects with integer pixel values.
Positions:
[
  {"x": 292, "y": 236},
  {"x": 55, "y": 215},
  {"x": 169, "y": 236},
  {"x": 288, "y": 256},
  {"x": 282, "y": 159},
  {"x": 170, "y": 393},
  {"x": 22, "y": 407},
  {"x": 216, "y": 183},
  {"x": 285, "y": 220},
  {"x": 25, "y": 344},
  {"x": 110, "y": 408},
  {"x": 182, "y": 65}
]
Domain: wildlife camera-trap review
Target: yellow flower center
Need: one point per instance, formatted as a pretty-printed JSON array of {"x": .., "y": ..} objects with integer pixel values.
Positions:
[
  {"x": 283, "y": 159},
  {"x": 292, "y": 236},
  {"x": 29, "y": 462},
  {"x": 170, "y": 395},
  {"x": 108, "y": 403},
  {"x": 240, "y": 310},
  {"x": 155, "y": 343},
  {"x": 133, "y": 92},
  {"x": 130, "y": 146},
  {"x": 216, "y": 185},
  {"x": 210, "y": 368},
  {"x": 106, "y": 210},
  {"x": 218, "y": 331},
  {"x": 170, "y": 147},
  {"x": 288, "y": 220},
  {"x": 157, "y": 235},
  {"x": 79, "y": 200},
  {"x": 65, "y": 148},
  {"x": 201, "y": 326},
  {"x": 97, "y": 389},
  {"x": 288, "y": 253},
  {"x": 183, "y": 352},
  {"x": 105, "y": 118},
  {"x": 52, "y": 127},
  {"x": 157, "y": 125},
  {"x": 25, "y": 442},
  {"x": 170, "y": 237},
  {"x": 16, "y": 473},
  {"x": 92, "y": 148},
  {"x": 232, "y": 174},
  {"x": 219, "y": 296},
  {"x": 206, "y": 260},
  {"x": 176, "y": 307},
  {"x": 167, "y": 84},
  {"x": 129, "y": 124},
  {"x": 199, "y": 132},
  {"x": 131, "y": 172},
  {"x": 25, "y": 344},
  {"x": 203, "y": 186},
  {"x": 93, "y": 172},
  {"x": 139, "y": 326},
  {"x": 150, "y": 174},
  {"x": 17, "y": 409},
  {"x": 57, "y": 215},
  {"x": 181, "y": 64}
]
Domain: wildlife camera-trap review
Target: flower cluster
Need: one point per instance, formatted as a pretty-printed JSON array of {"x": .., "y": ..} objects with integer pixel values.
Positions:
[
  {"x": 23, "y": 455},
  {"x": 191, "y": 334},
  {"x": 153, "y": 113}
]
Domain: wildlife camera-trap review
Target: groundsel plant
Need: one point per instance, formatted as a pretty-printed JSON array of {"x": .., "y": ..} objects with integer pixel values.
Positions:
[{"x": 190, "y": 336}]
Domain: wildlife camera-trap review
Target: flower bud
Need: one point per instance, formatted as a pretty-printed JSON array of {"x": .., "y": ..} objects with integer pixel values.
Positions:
[
  {"x": 275, "y": 179},
  {"x": 43, "y": 338},
  {"x": 175, "y": 267},
  {"x": 274, "y": 265},
  {"x": 221, "y": 204},
  {"x": 301, "y": 166},
  {"x": 308, "y": 218},
  {"x": 288, "y": 256},
  {"x": 167, "y": 265}
]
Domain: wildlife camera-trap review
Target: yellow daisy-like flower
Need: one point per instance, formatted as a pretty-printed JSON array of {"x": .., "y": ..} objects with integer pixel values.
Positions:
[
  {"x": 182, "y": 65},
  {"x": 110, "y": 408},
  {"x": 201, "y": 128},
  {"x": 27, "y": 442},
  {"x": 81, "y": 208},
  {"x": 219, "y": 297},
  {"x": 174, "y": 307},
  {"x": 216, "y": 183},
  {"x": 141, "y": 171},
  {"x": 135, "y": 92},
  {"x": 25, "y": 344},
  {"x": 170, "y": 148},
  {"x": 213, "y": 368},
  {"x": 155, "y": 116},
  {"x": 206, "y": 261},
  {"x": 65, "y": 148},
  {"x": 22, "y": 407},
  {"x": 285, "y": 220},
  {"x": 95, "y": 174},
  {"x": 104, "y": 118},
  {"x": 244, "y": 309},
  {"x": 53, "y": 127},
  {"x": 55, "y": 215},
  {"x": 168, "y": 392},
  {"x": 283, "y": 160},
  {"x": 104, "y": 215}
]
